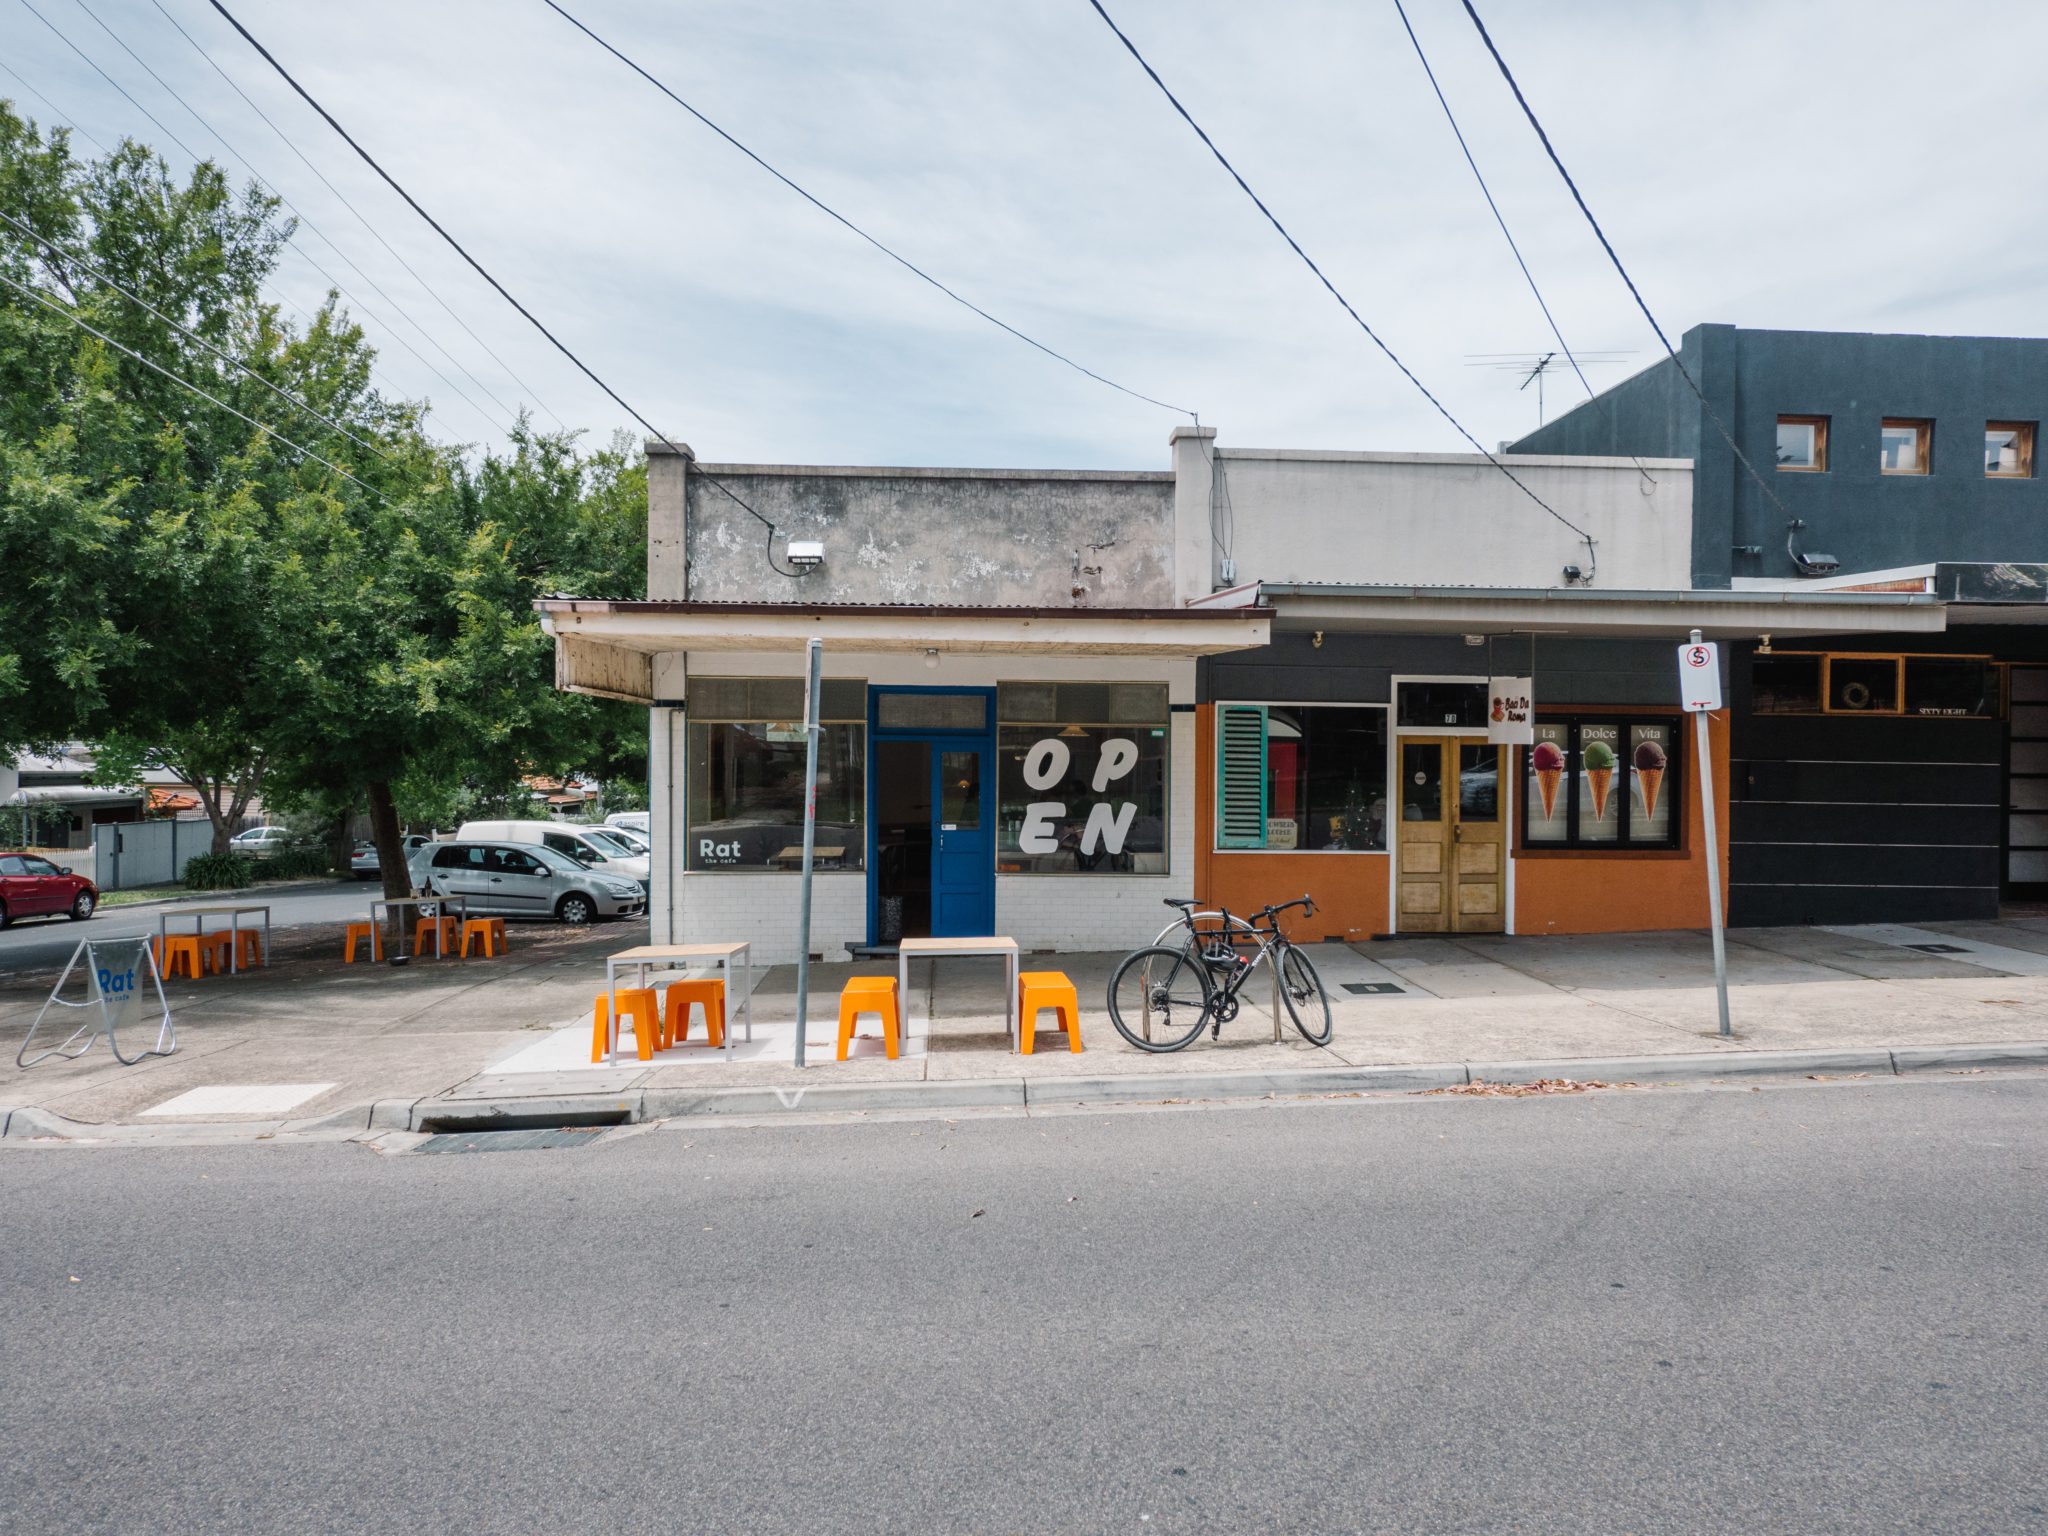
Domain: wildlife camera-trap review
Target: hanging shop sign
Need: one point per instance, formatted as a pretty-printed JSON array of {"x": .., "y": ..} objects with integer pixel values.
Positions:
[{"x": 1511, "y": 711}]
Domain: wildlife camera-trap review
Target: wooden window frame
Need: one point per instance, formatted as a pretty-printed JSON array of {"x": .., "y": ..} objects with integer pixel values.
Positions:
[
  {"x": 1819, "y": 466},
  {"x": 1923, "y": 445},
  {"x": 2024, "y": 431},
  {"x": 1827, "y": 684}
]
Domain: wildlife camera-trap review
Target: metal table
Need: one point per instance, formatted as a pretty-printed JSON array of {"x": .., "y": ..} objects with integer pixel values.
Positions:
[
  {"x": 460, "y": 903},
  {"x": 932, "y": 949},
  {"x": 199, "y": 915},
  {"x": 669, "y": 957}
]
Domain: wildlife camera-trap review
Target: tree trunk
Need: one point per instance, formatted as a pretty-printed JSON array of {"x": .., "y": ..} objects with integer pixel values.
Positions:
[
  {"x": 340, "y": 847},
  {"x": 390, "y": 841}
]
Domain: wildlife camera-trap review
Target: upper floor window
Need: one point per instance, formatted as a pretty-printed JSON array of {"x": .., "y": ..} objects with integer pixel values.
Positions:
[
  {"x": 1906, "y": 446},
  {"x": 1803, "y": 443},
  {"x": 2009, "y": 450}
]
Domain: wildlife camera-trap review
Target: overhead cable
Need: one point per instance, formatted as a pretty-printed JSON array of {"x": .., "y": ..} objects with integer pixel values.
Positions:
[
  {"x": 1608, "y": 246},
  {"x": 269, "y": 431},
  {"x": 901, "y": 260},
  {"x": 503, "y": 292},
  {"x": 1295, "y": 246}
]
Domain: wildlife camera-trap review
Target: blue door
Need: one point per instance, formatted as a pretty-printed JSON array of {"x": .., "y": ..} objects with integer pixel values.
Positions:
[{"x": 963, "y": 855}]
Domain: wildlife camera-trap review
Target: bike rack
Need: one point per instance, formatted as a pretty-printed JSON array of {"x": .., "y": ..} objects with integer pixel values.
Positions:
[{"x": 1238, "y": 925}]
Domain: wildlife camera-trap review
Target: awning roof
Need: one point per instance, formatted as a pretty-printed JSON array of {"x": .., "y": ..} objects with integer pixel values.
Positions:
[{"x": 606, "y": 648}]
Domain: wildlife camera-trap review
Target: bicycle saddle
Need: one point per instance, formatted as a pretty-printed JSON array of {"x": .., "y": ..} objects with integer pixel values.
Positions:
[{"x": 1181, "y": 901}]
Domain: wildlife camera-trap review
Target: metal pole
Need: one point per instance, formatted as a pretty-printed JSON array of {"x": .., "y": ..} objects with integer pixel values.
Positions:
[
  {"x": 1705, "y": 754},
  {"x": 816, "y": 650}
]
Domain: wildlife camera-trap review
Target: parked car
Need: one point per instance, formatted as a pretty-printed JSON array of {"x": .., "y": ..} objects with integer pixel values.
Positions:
[
  {"x": 364, "y": 864},
  {"x": 262, "y": 842},
  {"x": 635, "y": 821},
  {"x": 639, "y": 842},
  {"x": 590, "y": 846},
  {"x": 504, "y": 879},
  {"x": 31, "y": 886}
]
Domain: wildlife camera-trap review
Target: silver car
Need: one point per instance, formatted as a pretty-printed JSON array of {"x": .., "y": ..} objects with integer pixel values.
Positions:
[{"x": 522, "y": 880}]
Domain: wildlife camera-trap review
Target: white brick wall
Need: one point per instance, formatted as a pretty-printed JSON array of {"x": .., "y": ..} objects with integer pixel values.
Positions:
[{"x": 762, "y": 910}]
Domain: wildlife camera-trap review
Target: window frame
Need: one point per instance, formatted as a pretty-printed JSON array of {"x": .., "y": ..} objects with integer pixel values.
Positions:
[
  {"x": 2024, "y": 431},
  {"x": 1819, "y": 466},
  {"x": 843, "y": 718},
  {"x": 1923, "y": 445},
  {"x": 1677, "y": 842},
  {"x": 1827, "y": 708},
  {"x": 1265, "y": 706}
]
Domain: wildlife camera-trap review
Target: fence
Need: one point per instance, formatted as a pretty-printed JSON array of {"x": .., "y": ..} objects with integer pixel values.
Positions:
[{"x": 132, "y": 853}]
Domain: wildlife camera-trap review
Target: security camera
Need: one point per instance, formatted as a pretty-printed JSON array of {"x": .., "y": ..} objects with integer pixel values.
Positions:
[
  {"x": 1572, "y": 573},
  {"x": 1816, "y": 564}
]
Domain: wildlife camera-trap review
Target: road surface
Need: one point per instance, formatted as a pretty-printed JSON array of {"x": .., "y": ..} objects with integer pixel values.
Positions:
[
  {"x": 44, "y": 944},
  {"x": 1809, "y": 1308}
]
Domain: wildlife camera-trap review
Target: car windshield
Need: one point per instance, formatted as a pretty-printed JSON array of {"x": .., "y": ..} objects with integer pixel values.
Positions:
[
  {"x": 618, "y": 847},
  {"x": 553, "y": 859}
]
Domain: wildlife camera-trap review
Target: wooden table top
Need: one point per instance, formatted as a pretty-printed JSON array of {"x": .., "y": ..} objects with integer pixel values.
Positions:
[
  {"x": 652, "y": 952},
  {"x": 211, "y": 911},
  {"x": 961, "y": 946}
]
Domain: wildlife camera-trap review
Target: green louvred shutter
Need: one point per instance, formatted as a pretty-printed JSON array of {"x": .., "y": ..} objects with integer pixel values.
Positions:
[{"x": 1240, "y": 776}]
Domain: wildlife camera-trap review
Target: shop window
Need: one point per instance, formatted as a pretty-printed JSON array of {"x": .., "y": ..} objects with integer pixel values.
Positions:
[
  {"x": 1803, "y": 443},
  {"x": 1436, "y": 706},
  {"x": 1081, "y": 783},
  {"x": 1963, "y": 687},
  {"x": 2009, "y": 450},
  {"x": 1814, "y": 683},
  {"x": 1785, "y": 685},
  {"x": 1863, "y": 685},
  {"x": 1906, "y": 446},
  {"x": 1307, "y": 777},
  {"x": 1607, "y": 783},
  {"x": 744, "y": 808}
]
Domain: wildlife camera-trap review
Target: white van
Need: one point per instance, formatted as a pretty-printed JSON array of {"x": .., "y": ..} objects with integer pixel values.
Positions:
[
  {"x": 592, "y": 847},
  {"x": 632, "y": 821}
]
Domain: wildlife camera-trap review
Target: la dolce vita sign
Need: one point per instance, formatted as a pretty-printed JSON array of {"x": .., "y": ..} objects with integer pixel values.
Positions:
[{"x": 1109, "y": 823}]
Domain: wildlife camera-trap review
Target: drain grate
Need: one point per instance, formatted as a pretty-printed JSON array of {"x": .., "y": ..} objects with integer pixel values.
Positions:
[
  {"x": 1372, "y": 988},
  {"x": 1940, "y": 949},
  {"x": 539, "y": 1139}
]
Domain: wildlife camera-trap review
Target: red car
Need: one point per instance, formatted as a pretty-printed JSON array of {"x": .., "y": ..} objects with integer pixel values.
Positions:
[{"x": 31, "y": 886}]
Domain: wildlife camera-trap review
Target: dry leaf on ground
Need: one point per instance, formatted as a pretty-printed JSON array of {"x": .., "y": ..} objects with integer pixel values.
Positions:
[{"x": 1479, "y": 1088}]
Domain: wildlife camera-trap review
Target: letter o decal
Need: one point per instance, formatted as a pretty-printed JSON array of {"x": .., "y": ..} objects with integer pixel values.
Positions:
[{"x": 1046, "y": 763}]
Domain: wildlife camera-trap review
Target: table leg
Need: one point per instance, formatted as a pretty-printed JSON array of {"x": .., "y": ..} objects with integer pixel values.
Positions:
[
  {"x": 747, "y": 1002},
  {"x": 903, "y": 996},
  {"x": 1276, "y": 1004},
  {"x": 266, "y": 935},
  {"x": 725, "y": 973},
  {"x": 1010, "y": 1000},
  {"x": 234, "y": 943}
]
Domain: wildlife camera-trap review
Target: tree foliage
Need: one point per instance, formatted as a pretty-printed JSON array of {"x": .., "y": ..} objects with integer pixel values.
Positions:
[{"x": 183, "y": 589}]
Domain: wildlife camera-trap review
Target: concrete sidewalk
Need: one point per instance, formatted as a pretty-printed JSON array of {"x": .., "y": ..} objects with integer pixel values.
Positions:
[{"x": 323, "y": 1039}]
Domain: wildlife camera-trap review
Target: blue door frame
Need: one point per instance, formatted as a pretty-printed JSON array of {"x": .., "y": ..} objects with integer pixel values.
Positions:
[{"x": 967, "y": 917}]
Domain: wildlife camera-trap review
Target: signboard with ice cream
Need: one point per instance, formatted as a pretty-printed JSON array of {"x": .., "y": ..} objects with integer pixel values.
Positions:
[{"x": 1602, "y": 784}]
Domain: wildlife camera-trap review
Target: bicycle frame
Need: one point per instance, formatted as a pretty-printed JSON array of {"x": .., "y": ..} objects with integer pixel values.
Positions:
[{"x": 1230, "y": 985}]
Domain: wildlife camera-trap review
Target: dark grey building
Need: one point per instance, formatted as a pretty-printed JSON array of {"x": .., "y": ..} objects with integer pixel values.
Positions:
[{"x": 1892, "y": 450}]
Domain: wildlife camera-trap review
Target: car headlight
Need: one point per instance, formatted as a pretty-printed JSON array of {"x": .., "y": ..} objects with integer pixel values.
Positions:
[{"x": 621, "y": 887}]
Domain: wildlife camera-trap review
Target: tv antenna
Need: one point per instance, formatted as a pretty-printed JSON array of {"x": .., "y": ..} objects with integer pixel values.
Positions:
[{"x": 1534, "y": 366}]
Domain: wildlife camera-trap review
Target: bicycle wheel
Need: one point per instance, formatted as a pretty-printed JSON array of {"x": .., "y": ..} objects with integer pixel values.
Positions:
[
  {"x": 1160, "y": 998},
  {"x": 1302, "y": 991}
]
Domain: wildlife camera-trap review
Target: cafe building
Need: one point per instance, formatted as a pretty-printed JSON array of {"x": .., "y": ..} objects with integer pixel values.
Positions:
[{"x": 1052, "y": 698}]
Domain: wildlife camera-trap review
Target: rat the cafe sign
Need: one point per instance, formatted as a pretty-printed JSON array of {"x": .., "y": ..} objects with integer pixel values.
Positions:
[{"x": 1511, "y": 711}]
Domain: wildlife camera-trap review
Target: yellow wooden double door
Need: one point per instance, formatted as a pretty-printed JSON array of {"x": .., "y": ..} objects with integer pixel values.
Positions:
[{"x": 1451, "y": 874}]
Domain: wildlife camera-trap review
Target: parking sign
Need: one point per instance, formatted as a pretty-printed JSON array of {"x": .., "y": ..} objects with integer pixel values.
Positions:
[{"x": 1699, "y": 677}]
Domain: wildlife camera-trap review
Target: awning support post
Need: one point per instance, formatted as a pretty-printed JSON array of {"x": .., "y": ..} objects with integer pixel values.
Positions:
[{"x": 814, "y": 650}]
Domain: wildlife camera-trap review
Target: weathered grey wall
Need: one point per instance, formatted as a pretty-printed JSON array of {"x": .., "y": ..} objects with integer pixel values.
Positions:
[{"x": 1033, "y": 537}]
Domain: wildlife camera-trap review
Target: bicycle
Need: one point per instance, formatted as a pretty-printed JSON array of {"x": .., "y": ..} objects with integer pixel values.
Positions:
[{"x": 1161, "y": 996}]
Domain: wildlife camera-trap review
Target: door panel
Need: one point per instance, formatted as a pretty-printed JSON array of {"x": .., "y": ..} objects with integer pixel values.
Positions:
[
  {"x": 963, "y": 859},
  {"x": 1424, "y": 839},
  {"x": 519, "y": 884},
  {"x": 1452, "y": 845}
]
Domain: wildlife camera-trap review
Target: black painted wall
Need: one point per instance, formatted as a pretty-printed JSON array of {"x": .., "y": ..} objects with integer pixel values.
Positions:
[{"x": 1360, "y": 669}]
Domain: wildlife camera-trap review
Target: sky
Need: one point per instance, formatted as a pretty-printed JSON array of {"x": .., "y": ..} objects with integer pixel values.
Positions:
[{"x": 1805, "y": 164}]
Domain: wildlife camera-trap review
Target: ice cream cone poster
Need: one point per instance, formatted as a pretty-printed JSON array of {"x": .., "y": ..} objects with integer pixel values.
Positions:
[
  {"x": 1599, "y": 806},
  {"x": 1549, "y": 806},
  {"x": 1649, "y": 761}
]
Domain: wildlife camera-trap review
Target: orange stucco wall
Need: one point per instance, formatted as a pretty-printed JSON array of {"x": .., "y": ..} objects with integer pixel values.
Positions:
[{"x": 1567, "y": 893}]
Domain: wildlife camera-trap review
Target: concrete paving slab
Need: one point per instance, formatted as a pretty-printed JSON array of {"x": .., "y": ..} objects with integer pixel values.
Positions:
[
  {"x": 1442, "y": 968},
  {"x": 2003, "y": 958}
]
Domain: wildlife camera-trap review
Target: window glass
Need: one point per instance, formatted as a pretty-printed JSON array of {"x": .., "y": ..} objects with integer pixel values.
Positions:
[
  {"x": 932, "y": 711},
  {"x": 462, "y": 857},
  {"x": 1440, "y": 704},
  {"x": 1081, "y": 703},
  {"x": 1310, "y": 777},
  {"x": 1422, "y": 781},
  {"x": 744, "y": 805},
  {"x": 1599, "y": 811},
  {"x": 960, "y": 790},
  {"x": 1903, "y": 447},
  {"x": 1863, "y": 684},
  {"x": 1802, "y": 442},
  {"x": 1478, "y": 783},
  {"x": 2009, "y": 449},
  {"x": 1649, "y": 765},
  {"x": 775, "y": 698},
  {"x": 1950, "y": 685},
  {"x": 12, "y": 864},
  {"x": 1547, "y": 795},
  {"x": 1785, "y": 685},
  {"x": 38, "y": 866},
  {"x": 1081, "y": 799},
  {"x": 1596, "y": 784}
]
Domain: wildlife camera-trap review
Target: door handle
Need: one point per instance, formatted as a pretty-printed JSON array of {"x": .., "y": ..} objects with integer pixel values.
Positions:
[{"x": 1457, "y": 831}]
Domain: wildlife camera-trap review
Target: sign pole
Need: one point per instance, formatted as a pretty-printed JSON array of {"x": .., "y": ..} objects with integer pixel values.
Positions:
[
  {"x": 815, "y": 648},
  {"x": 1695, "y": 701}
]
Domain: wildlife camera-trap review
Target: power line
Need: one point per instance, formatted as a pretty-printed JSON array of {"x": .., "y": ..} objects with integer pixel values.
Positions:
[
  {"x": 52, "y": 304},
  {"x": 903, "y": 261},
  {"x": 351, "y": 207},
  {"x": 307, "y": 256},
  {"x": 59, "y": 116},
  {"x": 233, "y": 362},
  {"x": 1295, "y": 246},
  {"x": 1608, "y": 246},
  {"x": 504, "y": 293}
]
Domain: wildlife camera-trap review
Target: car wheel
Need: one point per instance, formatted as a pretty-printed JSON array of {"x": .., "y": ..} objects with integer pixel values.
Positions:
[
  {"x": 575, "y": 910},
  {"x": 4, "y": 918},
  {"x": 83, "y": 906}
]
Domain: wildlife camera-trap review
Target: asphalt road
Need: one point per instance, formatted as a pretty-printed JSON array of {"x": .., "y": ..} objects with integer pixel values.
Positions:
[
  {"x": 44, "y": 944},
  {"x": 1809, "y": 1308}
]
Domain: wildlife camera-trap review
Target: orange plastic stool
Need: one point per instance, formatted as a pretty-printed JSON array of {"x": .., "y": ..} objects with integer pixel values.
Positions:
[
  {"x": 215, "y": 946},
  {"x": 359, "y": 931},
  {"x": 709, "y": 993},
  {"x": 443, "y": 931},
  {"x": 248, "y": 947},
  {"x": 180, "y": 947},
  {"x": 638, "y": 1004},
  {"x": 489, "y": 931},
  {"x": 1037, "y": 990},
  {"x": 869, "y": 994}
]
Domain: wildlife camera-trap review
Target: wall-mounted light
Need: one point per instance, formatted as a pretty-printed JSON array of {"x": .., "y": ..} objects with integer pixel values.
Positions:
[
  {"x": 931, "y": 657},
  {"x": 1475, "y": 639},
  {"x": 1316, "y": 640},
  {"x": 1763, "y": 645}
]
